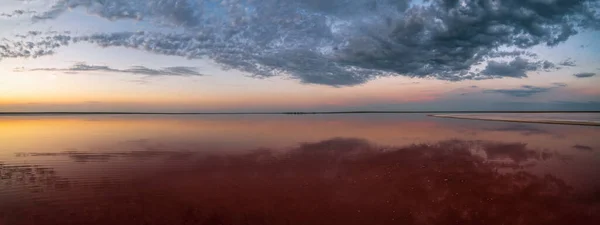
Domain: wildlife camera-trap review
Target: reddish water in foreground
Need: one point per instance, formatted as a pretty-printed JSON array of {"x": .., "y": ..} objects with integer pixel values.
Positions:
[{"x": 322, "y": 169}]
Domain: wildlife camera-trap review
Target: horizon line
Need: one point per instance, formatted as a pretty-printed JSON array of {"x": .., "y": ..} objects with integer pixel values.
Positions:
[{"x": 296, "y": 112}]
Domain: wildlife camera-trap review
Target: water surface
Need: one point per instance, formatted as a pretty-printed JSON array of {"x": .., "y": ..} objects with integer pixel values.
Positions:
[
  {"x": 586, "y": 119},
  {"x": 295, "y": 169}
]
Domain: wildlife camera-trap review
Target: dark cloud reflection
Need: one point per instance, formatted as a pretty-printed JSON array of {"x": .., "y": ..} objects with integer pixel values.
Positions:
[
  {"x": 523, "y": 129},
  {"x": 104, "y": 157},
  {"x": 335, "y": 181},
  {"x": 583, "y": 148}
]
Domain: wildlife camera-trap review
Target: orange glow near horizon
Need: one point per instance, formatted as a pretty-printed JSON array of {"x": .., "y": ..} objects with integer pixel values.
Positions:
[
  {"x": 38, "y": 91},
  {"x": 289, "y": 95}
]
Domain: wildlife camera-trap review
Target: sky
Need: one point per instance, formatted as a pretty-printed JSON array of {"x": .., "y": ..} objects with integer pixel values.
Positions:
[{"x": 298, "y": 55}]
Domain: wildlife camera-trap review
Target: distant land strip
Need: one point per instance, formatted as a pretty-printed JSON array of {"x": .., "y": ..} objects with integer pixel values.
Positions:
[
  {"x": 273, "y": 113},
  {"x": 523, "y": 120}
]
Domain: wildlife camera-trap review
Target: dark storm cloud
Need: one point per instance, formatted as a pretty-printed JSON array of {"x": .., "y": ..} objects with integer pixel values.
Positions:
[
  {"x": 82, "y": 67},
  {"x": 177, "y": 12},
  {"x": 584, "y": 75},
  {"x": 342, "y": 42}
]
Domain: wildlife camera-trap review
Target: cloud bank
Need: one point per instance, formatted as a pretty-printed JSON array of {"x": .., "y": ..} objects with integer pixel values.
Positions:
[
  {"x": 338, "y": 42},
  {"x": 140, "y": 70}
]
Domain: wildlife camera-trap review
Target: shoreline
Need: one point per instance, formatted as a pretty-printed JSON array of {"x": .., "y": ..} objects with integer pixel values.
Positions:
[{"x": 517, "y": 120}]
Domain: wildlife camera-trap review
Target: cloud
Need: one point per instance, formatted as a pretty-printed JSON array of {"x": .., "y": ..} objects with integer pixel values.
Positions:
[
  {"x": 83, "y": 67},
  {"x": 35, "y": 46},
  {"x": 568, "y": 62},
  {"x": 557, "y": 84},
  {"x": 523, "y": 91},
  {"x": 515, "y": 68},
  {"x": 584, "y": 75},
  {"x": 341, "y": 42},
  {"x": 18, "y": 12}
]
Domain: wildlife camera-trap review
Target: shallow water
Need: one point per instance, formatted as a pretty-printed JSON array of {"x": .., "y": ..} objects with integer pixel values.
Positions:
[
  {"x": 295, "y": 169},
  {"x": 591, "y": 119}
]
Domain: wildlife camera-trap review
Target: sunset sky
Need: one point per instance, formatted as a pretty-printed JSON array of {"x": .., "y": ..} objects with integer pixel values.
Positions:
[{"x": 300, "y": 55}]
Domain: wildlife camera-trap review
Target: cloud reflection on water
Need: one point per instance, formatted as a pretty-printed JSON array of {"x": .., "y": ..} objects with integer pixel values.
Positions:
[{"x": 334, "y": 181}]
